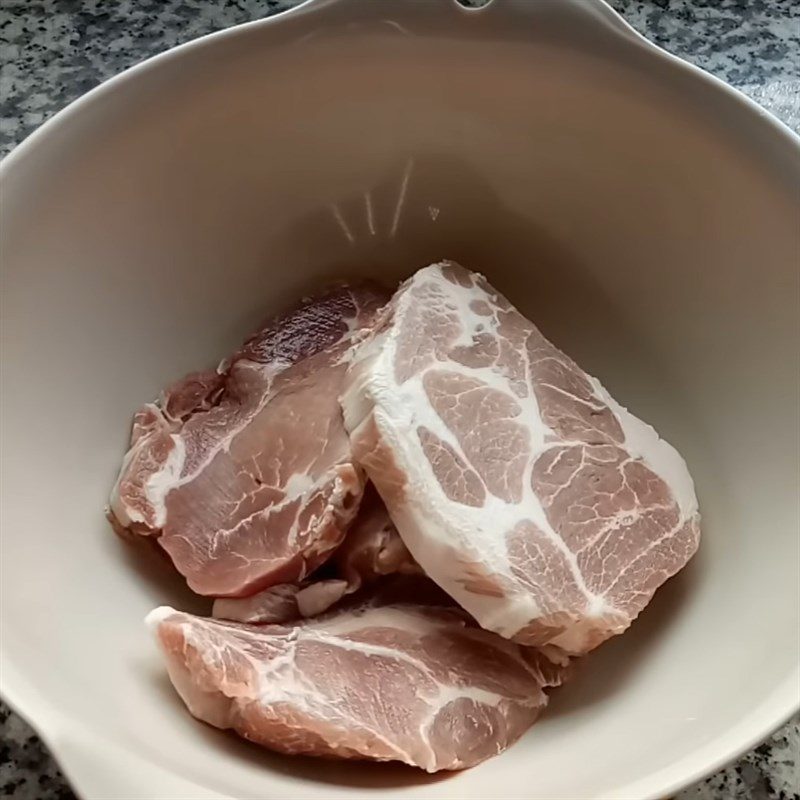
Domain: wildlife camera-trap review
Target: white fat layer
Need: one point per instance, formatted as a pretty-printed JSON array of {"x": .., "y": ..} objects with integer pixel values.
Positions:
[
  {"x": 437, "y": 530},
  {"x": 298, "y": 484},
  {"x": 158, "y": 615},
  {"x": 319, "y": 596},
  {"x": 163, "y": 480}
]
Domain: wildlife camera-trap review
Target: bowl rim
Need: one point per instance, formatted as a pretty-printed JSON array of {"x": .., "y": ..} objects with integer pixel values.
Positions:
[
  {"x": 75, "y": 746},
  {"x": 600, "y": 9}
]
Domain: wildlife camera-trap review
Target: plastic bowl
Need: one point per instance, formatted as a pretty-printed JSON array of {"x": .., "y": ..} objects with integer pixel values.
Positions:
[{"x": 642, "y": 213}]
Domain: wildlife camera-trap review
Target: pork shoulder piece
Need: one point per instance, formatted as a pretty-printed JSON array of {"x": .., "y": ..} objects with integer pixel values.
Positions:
[
  {"x": 547, "y": 510},
  {"x": 245, "y": 473},
  {"x": 396, "y": 682},
  {"x": 371, "y": 549}
]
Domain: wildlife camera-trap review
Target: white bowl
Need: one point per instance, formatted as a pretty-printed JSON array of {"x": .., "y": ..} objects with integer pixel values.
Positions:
[{"x": 641, "y": 212}]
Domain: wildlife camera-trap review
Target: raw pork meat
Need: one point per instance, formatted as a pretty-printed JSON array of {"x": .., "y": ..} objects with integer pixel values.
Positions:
[
  {"x": 282, "y": 603},
  {"x": 373, "y": 546},
  {"x": 520, "y": 486},
  {"x": 245, "y": 473},
  {"x": 371, "y": 549},
  {"x": 400, "y": 682}
]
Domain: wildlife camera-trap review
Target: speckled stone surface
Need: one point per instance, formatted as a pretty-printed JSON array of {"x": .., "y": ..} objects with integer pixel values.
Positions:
[{"x": 55, "y": 50}]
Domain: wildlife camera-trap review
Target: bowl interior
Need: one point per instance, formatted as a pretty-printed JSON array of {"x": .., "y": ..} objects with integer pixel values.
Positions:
[{"x": 646, "y": 221}]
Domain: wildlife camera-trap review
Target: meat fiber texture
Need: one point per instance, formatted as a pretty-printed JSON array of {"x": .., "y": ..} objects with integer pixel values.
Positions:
[
  {"x": 245, "y": 473},
  {"x": 372, "y": 549},
  {"x": 548, "y": 511},
  {"x": 397, "y": 681}
]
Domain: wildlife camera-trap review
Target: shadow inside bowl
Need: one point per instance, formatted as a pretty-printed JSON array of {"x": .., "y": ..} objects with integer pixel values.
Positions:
[
  {"x": 608, "y": 670},
  {"x": 369, "y": 774},
  {"x": 145, "y": 557}
]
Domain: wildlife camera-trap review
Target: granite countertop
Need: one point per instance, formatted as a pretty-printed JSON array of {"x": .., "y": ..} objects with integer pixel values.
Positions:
[{"x": 55, "y": 50}]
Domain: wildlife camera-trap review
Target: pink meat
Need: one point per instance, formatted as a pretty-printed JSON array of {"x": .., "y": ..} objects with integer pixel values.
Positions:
[
  {"x": 400, "y": 682},
  {"x": 543, "y": 507},
  {"x": 372, "y": 548},
  {"x": 245, "y": 474}
]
